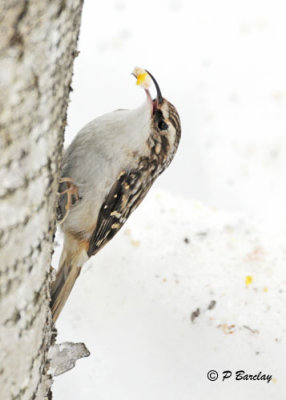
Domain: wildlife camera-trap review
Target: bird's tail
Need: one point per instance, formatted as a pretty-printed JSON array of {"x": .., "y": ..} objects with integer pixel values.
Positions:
[{"x": 65, "y": 279}]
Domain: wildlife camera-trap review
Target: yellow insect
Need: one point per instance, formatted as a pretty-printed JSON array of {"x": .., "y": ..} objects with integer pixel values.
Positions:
[{"x": 143, "y": 78}]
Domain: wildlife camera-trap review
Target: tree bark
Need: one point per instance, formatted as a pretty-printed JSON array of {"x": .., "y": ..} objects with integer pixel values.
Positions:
[{"x": 37, "y": 48}]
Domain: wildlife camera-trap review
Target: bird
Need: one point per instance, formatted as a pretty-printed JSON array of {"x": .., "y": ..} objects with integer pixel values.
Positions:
[{"x": 106, "y": 172}]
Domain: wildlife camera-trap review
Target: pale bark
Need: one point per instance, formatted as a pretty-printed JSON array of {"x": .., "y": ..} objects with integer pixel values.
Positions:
[{"x": 37, "y": 48}]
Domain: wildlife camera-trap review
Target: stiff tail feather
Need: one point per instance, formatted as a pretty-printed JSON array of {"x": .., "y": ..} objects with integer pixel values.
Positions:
[{"x": 67, "y": 274}]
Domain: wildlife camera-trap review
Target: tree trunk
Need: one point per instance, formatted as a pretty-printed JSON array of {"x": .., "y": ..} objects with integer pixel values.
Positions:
[{"x": 37, "y": 48}]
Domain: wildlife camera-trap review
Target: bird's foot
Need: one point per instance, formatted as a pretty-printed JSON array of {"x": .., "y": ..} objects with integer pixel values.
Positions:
[{"x": 72, "y": 195}]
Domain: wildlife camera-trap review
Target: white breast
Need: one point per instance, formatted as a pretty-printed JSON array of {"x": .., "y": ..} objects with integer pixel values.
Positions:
[{"x": 94, "y": 160}]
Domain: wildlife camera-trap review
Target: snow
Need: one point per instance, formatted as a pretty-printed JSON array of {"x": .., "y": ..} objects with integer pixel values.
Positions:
[
  {"x": 215, "y": 217},
  {"x": 63, "y": 357},
  {"x": 133, "y": 305}
]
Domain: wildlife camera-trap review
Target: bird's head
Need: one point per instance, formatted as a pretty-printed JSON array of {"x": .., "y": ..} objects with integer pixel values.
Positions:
[{"x": 165, "y": 119}]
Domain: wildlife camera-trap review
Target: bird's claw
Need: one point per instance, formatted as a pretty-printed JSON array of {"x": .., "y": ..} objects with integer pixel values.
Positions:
[{"x": 71, "y": 192}]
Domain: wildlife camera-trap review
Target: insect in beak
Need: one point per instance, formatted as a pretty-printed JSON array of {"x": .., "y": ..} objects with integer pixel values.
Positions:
[{"x": 144, "y": 78}]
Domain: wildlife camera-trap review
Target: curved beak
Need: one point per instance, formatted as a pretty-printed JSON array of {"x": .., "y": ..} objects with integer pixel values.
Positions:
[
  {"x": 159, "y": 94},
  {"x": 159, "y": 98}
]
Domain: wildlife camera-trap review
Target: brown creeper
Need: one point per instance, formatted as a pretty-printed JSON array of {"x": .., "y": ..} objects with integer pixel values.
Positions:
[{"x": 107, "y": 171}]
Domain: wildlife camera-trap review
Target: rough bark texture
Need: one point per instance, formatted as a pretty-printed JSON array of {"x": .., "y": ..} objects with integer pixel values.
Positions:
[{"x": 37, "y": 49}]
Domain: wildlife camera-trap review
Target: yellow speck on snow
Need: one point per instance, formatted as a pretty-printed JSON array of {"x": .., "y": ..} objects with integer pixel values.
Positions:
[
  {"x": 248, "y": 280},
  {"x": 135, "y": 243}
]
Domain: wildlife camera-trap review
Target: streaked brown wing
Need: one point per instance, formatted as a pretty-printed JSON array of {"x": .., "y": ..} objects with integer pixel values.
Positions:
[{"x": 124, "y": 196}]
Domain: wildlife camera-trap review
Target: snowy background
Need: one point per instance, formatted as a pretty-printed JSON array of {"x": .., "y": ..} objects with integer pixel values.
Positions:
[{"x": 216, "y": 216}]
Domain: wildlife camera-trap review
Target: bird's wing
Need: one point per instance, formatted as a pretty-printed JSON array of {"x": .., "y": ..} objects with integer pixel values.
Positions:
[{"x": 124, "y": 196}]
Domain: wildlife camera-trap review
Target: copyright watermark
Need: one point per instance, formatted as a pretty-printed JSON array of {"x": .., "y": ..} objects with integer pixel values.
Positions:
[
  {"x": 239, "y": 375},
  {"x": 212, "y": 375}
]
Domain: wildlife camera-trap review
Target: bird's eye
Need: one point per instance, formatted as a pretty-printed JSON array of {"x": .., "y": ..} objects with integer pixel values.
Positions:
[{"x": 162, "y": 126}]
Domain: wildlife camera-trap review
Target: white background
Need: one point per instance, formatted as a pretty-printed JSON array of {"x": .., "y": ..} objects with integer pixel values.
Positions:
[{"x": 223, "y": 65}]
